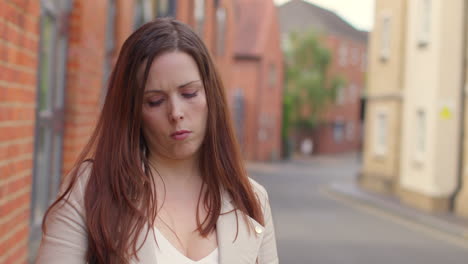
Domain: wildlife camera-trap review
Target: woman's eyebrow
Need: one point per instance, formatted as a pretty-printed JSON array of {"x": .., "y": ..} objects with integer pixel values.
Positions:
[
  {"x": 178, "y": 87},
  {"x": 186, "y": 84},
  {"x": 153, "y": 91}
]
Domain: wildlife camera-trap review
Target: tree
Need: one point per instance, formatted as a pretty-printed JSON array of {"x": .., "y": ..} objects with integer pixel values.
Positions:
[{"x": 309, "y": 85}]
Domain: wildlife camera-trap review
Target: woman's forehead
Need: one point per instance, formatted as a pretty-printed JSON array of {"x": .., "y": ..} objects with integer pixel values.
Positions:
[{"x": 172, "y": 70}]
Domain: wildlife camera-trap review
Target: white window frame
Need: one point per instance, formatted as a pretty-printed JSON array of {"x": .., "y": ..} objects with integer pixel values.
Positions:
[
  {"x": 420, "y": 135},
  {"x": 340, "y": 95},
  {"x": 199, "y": 15},
  {"x": 385, "y": 37},
  {"x": 424, "y": 25},
  {"x": 381, "y": 133},
  {"x": 343, "y": 54},
  {"x": 339, "y": 131}
]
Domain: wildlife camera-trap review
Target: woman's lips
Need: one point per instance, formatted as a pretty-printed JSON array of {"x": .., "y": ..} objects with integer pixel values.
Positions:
[{"x": 180, "y": 135}]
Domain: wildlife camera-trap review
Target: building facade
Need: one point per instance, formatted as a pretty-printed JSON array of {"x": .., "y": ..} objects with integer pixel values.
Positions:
[
  {"x": 386, "y": 65},
  {"x": 257, "y": 88},
  {"x": 341, "y": 124},
  {"x": 415, "y": 145}
]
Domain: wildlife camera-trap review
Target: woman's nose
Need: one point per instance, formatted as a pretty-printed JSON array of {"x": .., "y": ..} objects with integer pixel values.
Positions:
[{"x": 176, "y": 113}]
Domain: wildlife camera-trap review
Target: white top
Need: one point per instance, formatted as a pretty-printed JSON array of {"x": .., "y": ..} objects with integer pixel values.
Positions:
[{"x": 166, "y": 253}]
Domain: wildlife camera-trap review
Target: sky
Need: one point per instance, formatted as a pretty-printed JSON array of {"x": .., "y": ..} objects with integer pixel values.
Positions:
[{"x": 359, "y": 13}]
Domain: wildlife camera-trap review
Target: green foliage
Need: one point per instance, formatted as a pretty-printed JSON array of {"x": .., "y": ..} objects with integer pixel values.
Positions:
[{"x": 308, "y": 82}]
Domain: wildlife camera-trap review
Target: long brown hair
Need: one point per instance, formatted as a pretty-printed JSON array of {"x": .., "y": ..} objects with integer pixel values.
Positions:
[{"x": 120, "y": 189}]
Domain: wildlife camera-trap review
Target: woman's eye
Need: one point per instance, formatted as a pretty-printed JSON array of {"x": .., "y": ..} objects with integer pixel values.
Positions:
[
  {"x": 190, "y": 95},
  {"x": 155, "y": 103}
]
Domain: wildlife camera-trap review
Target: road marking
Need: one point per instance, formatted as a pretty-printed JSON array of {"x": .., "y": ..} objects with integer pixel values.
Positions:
[{"x": 440, "y": 235}]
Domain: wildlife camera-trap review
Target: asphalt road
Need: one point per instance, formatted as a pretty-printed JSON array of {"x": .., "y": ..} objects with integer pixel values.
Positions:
[{"x": 314, "y": 226}]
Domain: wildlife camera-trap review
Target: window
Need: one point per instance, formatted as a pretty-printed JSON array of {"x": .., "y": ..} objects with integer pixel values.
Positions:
[
  {"x": 144, "y": 12},
  {"x": 420, "y": 135},
  {"x": 340, "y": 96},
  {"x": 272, "y": 75},
  {"x": 385, "y": 38},
  {"x": 166, "y": 8},
  {"x": 48, "y": 141},
  {"x": 364, "y": 62},
  {"x": 264, "y": 123},
  {"x": 110, "y": 46},
  {"x": 239, "y": 114},
  {"x": 199, "y": 16},
  {"x": 138, "y": 16},
  {"x": 350, "y": 131},
  {"x": 424, "y": 22},
  {"x": 221, "y": 30},
  {"x": 380, "y": 137},
  {"x": 285, "y": 42},
  {"x": 355, "y": 56},
  {"x": 343, "y": 55},
  {"x": 338, "y": 131},
  {"x": 353, "y": 93}
]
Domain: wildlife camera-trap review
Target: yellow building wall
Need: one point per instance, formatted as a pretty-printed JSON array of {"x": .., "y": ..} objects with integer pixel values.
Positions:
[
  {"x": 384, "y": 95},
  {"x": 432, "y": 85}
]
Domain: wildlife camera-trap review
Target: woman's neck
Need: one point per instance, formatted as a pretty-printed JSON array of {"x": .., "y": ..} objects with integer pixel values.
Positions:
[{"x": 177, "y": 174}]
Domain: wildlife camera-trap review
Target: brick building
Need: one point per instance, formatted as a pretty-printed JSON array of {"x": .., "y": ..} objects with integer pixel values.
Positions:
[
  {"x": 55, "y": 58},
  {"x": 258, "y": 79},
  {"x": 18, "y": 66},
  {"x": 341, "y": 126}
]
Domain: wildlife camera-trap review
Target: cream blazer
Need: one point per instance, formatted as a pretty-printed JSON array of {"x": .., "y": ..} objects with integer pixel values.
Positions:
[{"x": 66, "y": 238}]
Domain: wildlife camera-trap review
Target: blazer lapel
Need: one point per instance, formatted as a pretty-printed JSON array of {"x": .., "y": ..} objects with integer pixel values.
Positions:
[
  {"x": 232, "y": 250},
  {"x": 244, "y": 248}
]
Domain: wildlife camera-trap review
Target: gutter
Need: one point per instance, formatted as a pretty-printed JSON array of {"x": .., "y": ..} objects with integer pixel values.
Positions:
[{"x": 461, "y": 155}]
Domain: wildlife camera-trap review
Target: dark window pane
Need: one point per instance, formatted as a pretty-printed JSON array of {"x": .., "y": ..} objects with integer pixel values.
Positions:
[
  {"x": 40, "y": 199},
  {"x": 45, "y": 62},
  {"x": 221, "y": 30}
]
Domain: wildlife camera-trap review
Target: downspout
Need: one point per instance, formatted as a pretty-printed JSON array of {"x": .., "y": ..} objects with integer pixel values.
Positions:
[{"x": 461, "y": 155}]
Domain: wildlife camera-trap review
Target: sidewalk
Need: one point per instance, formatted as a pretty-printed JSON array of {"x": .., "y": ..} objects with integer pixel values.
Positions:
[{"x": 447, "y": 223}]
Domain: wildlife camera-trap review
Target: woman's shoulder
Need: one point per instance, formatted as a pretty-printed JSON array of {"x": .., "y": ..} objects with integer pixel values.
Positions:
[
  {"x": 259, "y": 190},
  {"x": 77, "y": 180},
  {"x": 65, "y": 233}
]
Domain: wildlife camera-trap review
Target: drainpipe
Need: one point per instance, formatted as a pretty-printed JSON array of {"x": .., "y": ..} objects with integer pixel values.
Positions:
[{"x": 461, "y": 155}]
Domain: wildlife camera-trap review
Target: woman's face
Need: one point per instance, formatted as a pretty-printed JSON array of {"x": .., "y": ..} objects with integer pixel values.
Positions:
[{"x": 174, "y": 107}]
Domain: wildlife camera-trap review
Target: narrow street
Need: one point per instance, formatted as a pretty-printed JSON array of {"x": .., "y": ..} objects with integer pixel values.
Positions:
[{"x": 314, "y": 225}]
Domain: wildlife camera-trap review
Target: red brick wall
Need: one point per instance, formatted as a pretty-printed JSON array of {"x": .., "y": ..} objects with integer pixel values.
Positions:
[
  {"x": 271, "y": 95},
  {"x": 246, "y": 77},
  {"x": 124, "y": 22},
  {"x": 19, "y": 34},
  {"x": 184, "y": 12},
  {"x": 224, "y": 61},
  {"x": 84, "y": 75},
  {"x": 210, "y": 21},
  {"x": 85, "y": 82},
  {"x": 263, "y": 105}
]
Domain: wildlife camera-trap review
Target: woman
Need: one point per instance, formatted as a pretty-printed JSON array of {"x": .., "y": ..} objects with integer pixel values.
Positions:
[{"x": 161, "y": 179}]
